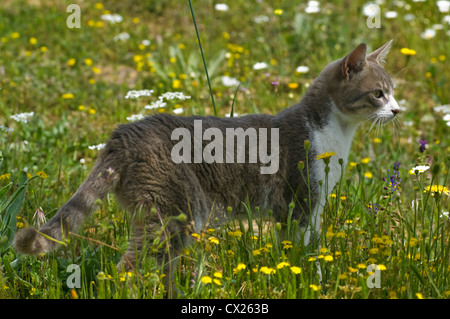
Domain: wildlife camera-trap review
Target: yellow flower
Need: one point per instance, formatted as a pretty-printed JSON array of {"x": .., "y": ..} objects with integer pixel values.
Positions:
[
  {"x": 91, "y": 111},
  {"x": 278, "y": 12},
  {"x": 176, "y": 84},
  {"x": 419, "y": 296},
  {"x": 213, "y": 240},
  {"x": 239, "y": 267},
  {"x": 99, "y": 5},
  {"x": 282, "y": 265},
  {"x": 361, "y": 266},
  {"x": 71, "y": 62},
  {"x": 325, "y": 155},
  {"x": 293, "y": 86},
  {"x": 33, "y": 41},
  {"x": 206, "y": 280},
  {"x": 5, "y": 176},
  {"x": 365, "y": 160},
  {"x": 81, "y": 108},
  {"x": 15, "y": 35},
  {"x": 218, "y": 274},
  {"x": 67, "y": 96},
  {"x": 267, "y": 270},
  {"x": 377, "y": 140},
  {"x": 96, "y": 70},
  {"x": 136, "y": 20},
  {"x": 437, "y": 189},
  {"x": 407, "y": 51},
  {"x": 368, "y": 175},
  {"x": 296, "y": 270},
  {"x": 328, "y": 258},
  {"x": 314, "y": 287},
  {"x": 442, "y": 58},
  {"x": 43, "y": 49},
  {"x": 88, "y": 62},
  {"x": 41, "y": 174}
]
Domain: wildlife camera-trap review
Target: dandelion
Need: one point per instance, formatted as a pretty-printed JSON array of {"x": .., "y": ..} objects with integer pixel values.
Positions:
[
  {"x": 325, "y": 155},
  {"x": 67, "y": 96},
  {"x": 408, "y": 52},
  {"x": 239, "y": 267},
  {"x": 314, "y": 287},
  {"x": 33, "y": 41},
  {"x": 282, "y": 265},
  {"x": 419, "y": 296},
  {"x": 22, "y": 117},
  {"x": 218, "y": 274},
  {"x": 71, "y": 62},
  {"x": 278, "y": 12},
  {"x": 4, "y": 177},
  {"x": 368, "y": 175},
  {"x": 41, "y": 174},
  {"x": 214, "y": 240},
  {"x": 365, "y": 160},
  {"x": 88, "y": 61},
  {"x": 328, "y": 258},
  {"x": 437, "y": 189},
  {"x": 296, "y": 270},
  {"x": 267, "y": 270},
  {"x": 206, "y": 280}
]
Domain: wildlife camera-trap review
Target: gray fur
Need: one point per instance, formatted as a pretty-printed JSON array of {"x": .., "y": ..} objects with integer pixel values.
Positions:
[{"x": 136, "y": 164}]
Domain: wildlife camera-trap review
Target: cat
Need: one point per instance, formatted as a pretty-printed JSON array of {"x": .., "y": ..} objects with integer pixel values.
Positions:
[{"x": 139, "y": 166}]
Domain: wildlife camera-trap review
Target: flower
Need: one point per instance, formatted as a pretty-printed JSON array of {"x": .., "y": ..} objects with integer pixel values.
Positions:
[
  {"x": 178, "y": 110},
  {"x": 228, "y": 81},
  {"x": 97, "y": 147},
  {"x": 312, "y": 7},
  {"x": 296, "y": 270},
  {"x": 283, "y": 264},
  {"x": 423, "y": 144},
  {"x": 122, "y": 36},
  {"x": 155, "y": 105},
  {"x": 206, "y": 280},
  {"x": 239, "y": 267},
  {"x": 365, "y": 160},
  {"x": 302, "y": 69},
  {"x": 407, "y": 51},
  {"x": 419, "y": 169},
  {"x": 371, "y": 10},
  {"x": 314, "y": 287},
  {"x": 428, "y": 34},
  {"x": 325, "y": 155},
  {"x": 391, "y": 14},
  {"x": 71, "y": 62},
  {"x": 443, "y": 5},
  {"x": 135, "y": 117},
  {"x": 40, "y": 217},
  {"x": 214, "y": 240},
  {"x": 267, "y": 270},
  {"x": 437, "y": 189},
  {"x": 41, "y": 174},
  {"x": 328, "y": 258},
  {"x": 221, "y": 7},
  {"x": 112, "y": 18},
  {"x": 368, "y": 175},
  {"x": 67, "y": 96},
  {"x": 278, "y": 12},
  {"x": 260, "y": 66},
  {"x": 5, "y": 176},
  {"x": 22, "y": 117},
  {"x": 135, "y": 94}
]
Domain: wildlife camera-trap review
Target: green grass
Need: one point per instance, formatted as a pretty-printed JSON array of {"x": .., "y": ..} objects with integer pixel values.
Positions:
[{"x": 78, "y": 102}]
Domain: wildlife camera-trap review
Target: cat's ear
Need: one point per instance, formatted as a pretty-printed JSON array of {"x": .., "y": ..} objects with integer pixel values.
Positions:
[
  {"x": 380, "y": 54},
  {"x": 355, "y": 61}
]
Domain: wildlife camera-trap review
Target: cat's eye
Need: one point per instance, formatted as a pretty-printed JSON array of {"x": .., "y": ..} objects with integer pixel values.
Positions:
[{"x": 378, "y": 93}]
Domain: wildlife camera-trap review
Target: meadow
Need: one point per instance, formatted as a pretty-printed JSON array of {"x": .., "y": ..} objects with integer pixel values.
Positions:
[{"x": 385, "y": 229}]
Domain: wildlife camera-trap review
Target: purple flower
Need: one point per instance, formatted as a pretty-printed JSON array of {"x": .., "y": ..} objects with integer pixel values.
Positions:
[
  {"x": 393, "y": 180},
  {"x": 423, "y": 144}
]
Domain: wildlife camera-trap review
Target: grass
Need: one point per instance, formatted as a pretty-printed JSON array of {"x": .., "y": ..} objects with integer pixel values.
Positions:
[{"x": 75, "y": 81}]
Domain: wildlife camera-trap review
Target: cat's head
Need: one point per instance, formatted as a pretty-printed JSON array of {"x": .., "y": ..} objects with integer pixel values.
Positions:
[{"x": 361, "y": 88}]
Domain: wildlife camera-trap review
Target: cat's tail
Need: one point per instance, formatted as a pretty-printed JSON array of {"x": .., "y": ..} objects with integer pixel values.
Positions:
[{"x": 70, "y": 217}]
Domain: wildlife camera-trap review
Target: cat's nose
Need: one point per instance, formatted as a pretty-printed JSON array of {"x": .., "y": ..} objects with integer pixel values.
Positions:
[{"x": 395, "y": 111}]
